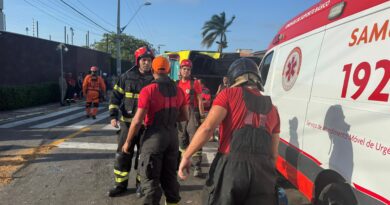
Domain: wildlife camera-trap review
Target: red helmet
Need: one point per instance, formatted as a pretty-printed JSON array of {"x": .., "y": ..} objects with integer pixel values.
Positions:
[
  {"x": 186, "y": 62},
  {"x": 143, "y": 52},
  {"x": 94, "y": 69}
]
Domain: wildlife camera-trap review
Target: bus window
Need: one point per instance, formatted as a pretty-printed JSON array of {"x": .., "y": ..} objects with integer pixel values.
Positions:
[{"x": 264, "y": 67}]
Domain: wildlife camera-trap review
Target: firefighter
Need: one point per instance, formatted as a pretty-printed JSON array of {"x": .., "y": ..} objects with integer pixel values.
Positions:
[
  {"x": 124, "y": 101},
  {"x": 93, "y": 88},
  {"x": 161, "y": 104},
  {"x": 193, "y": 96},
  {"x": 243, "y": 171}
]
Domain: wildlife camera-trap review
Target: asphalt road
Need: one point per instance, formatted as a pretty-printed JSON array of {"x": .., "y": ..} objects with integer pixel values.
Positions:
[{"x": 54, "y": 155}]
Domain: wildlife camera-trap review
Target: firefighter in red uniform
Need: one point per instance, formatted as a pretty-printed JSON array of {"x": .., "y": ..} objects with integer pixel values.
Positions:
[
  {"x": 161, "y": 105},
  {"x": 243, "y": 171},
  {"x": 124, "y": 101},
  {"x": 193, "y": 96},
  {"x": 93, "y": 87}
]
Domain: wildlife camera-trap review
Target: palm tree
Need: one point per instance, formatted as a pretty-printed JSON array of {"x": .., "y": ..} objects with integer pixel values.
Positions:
[{"x": 216, "y": 27}]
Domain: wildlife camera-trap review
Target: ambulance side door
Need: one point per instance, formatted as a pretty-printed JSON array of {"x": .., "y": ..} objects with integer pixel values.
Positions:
[{"x": 292, "y": 72}]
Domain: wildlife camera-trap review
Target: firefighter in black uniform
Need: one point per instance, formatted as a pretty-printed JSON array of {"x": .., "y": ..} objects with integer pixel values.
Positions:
[
  {"x": 161, "y": 105},
  {"x": 124, "y": 101},
  {"x": 243, "y": 171}
]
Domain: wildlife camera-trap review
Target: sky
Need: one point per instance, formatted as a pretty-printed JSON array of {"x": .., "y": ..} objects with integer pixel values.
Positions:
[{"x": 173, "y": 24}]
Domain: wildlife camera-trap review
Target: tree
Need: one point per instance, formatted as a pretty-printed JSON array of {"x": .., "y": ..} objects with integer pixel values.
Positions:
[
  {"x": 214, "y": 28},
  {"x": 128, "y": 45}
]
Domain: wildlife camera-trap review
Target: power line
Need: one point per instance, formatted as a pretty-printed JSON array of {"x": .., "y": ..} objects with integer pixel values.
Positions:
[
  {"x": 57, "y": 18},
  {"x": 95, "y": 14},
  {"x": 86, "y": 16},
  {"x": 62, "y": 13}
]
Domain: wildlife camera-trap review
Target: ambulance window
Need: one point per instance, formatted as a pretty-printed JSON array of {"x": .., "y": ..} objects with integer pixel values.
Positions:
[{"x": 264, "y": 66}]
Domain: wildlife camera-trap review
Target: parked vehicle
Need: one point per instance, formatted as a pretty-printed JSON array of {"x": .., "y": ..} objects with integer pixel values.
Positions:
[{"x": 328, "y": 72}]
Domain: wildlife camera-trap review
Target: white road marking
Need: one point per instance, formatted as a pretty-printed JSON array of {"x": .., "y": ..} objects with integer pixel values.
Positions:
[
  {"x": 60, "y": 120},
  {"x": 53, "y": 114},
  {"x": 89, "y": 121},
  {"x": 87, "y": 145},
  {"x": 109, "y": 127}
]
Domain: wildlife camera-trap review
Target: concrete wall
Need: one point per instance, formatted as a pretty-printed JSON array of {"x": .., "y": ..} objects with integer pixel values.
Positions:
[{"x": 30, "y": 60}]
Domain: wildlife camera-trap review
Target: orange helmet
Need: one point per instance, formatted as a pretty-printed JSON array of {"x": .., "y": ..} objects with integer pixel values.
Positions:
[
  {"x": 94, "y": 68},
  {"x": 161, "y": 65},
  {"x": 186, "y": 62},
  {"x": 143, "y": 52}
]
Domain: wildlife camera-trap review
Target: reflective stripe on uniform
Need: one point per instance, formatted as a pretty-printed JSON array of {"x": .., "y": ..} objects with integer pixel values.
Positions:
[
  {"x": 167, "y": 203},
  {"x": 182, "y": 150},
  {"x": 119, "y": 89},
  {"x": 125, "y": 119},
  {"x": 123, "y": 174},
  {"x": 131, "y": 95},
  {"x": 121, "y": 179},
  {"x": 112, "y": 106}
]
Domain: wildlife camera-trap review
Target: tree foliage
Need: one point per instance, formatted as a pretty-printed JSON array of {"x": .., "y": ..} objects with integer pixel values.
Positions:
[
  {"x": 216, "y": 27},
  {"x": 128, "y": 45}
]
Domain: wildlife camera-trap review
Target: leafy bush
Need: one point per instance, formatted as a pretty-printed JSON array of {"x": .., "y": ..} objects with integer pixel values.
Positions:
[{"x": 13, "y": 97}]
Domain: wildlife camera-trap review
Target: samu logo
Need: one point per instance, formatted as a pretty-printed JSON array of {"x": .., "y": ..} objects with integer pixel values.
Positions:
[{"x": 291, "y": 68}]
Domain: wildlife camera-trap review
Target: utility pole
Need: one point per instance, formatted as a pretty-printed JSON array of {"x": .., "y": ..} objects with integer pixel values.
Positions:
[
  {"x": 2, "y": 16},
  {"x": 64, "y": 34},
  {"x": 37, "y": 30},
  {"x": 106, "y": 42},
  {"x": 33, "y": 24},
  {"x": 88, "y": 39},
  {"x": 27, "y": 31},
  {"x": 71, "y": 34},
  {"x": 118, "y": 42},
  {"x": 67, "y": 38},
  {"x": 50, "y": 37}
]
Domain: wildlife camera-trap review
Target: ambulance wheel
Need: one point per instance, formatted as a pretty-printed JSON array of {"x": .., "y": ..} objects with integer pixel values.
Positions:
[{"x": 337, "y": 194}]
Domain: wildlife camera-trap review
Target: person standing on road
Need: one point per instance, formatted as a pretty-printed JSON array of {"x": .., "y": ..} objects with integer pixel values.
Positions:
[
  {"x": 124, "y": 100},
  {"x": 243, "y": 171},
  {"x": 223, "y": 85},
  {"x": 93, "y": 88},
  {"x": 193, "y": 96},
  {"x": 161, "y": 105}
]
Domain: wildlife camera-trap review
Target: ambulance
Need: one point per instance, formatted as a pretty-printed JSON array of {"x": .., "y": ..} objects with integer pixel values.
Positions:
[{"x": 327, "y": 70}]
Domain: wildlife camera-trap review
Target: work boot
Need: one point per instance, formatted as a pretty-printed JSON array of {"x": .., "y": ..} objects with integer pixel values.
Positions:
[
  {"x": 94, "y": 117},
  {"x": 87, "y": 116},
  {"x": 197, "y": 172},
  {"x": 117, "y": 191}
]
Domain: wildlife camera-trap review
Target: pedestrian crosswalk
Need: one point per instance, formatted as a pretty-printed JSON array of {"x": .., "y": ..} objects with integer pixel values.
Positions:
[{"x": 69, "y": 118}]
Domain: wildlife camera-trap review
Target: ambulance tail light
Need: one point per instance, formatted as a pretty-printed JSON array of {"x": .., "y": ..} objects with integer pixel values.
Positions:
[{"x": 336, "y": 10}]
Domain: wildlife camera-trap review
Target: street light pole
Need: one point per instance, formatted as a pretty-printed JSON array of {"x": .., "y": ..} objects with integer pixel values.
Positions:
[
  {"x": 71, "y": 34},
  {"x": 119, "y": 31},
  {"x": 61, "y": 47}
]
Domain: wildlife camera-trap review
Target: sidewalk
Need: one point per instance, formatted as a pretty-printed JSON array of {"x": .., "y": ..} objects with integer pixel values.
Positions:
[{"x": 36, "y": 110}]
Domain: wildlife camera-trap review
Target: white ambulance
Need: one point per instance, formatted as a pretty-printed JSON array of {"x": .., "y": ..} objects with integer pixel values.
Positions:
[{"x": 328, "y": 70}]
